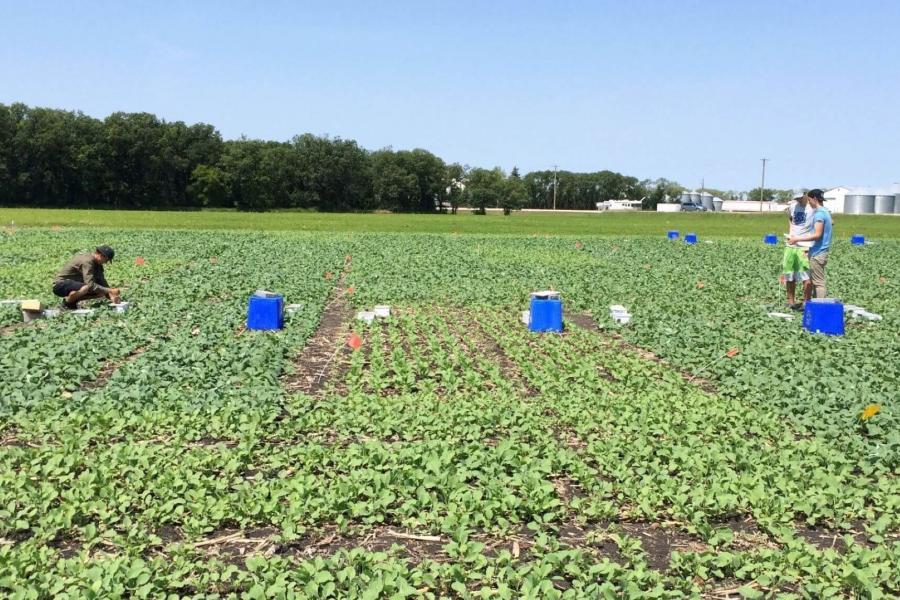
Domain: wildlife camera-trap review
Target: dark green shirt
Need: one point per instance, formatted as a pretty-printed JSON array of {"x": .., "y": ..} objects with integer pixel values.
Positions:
[{"x": 84, "y": 269}]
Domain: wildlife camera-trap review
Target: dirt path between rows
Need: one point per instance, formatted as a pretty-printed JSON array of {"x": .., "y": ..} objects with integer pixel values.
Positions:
[
  {"x": 7, "y": 330},
  {"x": 110, "y": 367},
  {"x": 320, "y": 357}
]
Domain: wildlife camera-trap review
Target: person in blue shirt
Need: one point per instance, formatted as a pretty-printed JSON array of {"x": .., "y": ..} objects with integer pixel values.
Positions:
[{"x": 821, "y": 239}]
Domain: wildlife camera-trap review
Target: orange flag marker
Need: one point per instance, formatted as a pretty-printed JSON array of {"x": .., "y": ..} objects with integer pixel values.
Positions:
[{"x": 354, "y": 341}]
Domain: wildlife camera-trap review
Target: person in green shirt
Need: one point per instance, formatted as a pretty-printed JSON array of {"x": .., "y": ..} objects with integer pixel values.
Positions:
[{"x": 82, "y": 278}]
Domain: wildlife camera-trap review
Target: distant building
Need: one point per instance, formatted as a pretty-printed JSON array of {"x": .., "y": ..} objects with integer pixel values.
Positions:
[
  {"x": 620, "y": 205},
  {"x": 834, "y": 198}
]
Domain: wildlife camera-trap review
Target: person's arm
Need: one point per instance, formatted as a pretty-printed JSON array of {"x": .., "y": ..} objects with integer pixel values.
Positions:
[
  {"x": 100, "y": 277},
  {"x": 111, "y": 292},
  {"x": 818, "y": 230},
  {"x": 87, "y": 273}
]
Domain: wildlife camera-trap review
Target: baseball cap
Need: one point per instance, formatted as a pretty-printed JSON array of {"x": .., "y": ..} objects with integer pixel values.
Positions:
[
  {"x": 106, "y": 251},
  {"x": 817, "y": 194}
]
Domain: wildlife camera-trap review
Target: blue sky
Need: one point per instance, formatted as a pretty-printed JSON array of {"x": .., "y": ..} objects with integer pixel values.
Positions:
[{"x": 683, "y": 90}]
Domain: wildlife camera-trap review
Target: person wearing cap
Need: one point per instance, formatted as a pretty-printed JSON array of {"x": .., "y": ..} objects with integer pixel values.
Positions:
[
  {"x": 795, "y": 263},
  {"x": 820, "y": 236},
  {"x": 82, "y": 278}
]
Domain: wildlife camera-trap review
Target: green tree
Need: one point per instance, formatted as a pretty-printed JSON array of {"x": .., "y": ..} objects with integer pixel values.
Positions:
[
  {"x": 485, "y": 187},
  {"x": 771, "y": 195},
  {"x": 262, "y": 175},
  {"x": 409, "y": 180},
  {"x": 334, "y": 174},
  {"x": 658, "y": 191},
  {"x": 456, "y": 176},
  {"x": 210, "y": 187},
  {"x": 514, "y": 195},
  {"x": 393, "y": 187},
  {"x": 7, "y": 132}
]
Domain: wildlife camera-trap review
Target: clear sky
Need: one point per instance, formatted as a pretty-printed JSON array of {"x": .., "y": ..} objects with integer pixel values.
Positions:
[{"x": 677, "y": 89}]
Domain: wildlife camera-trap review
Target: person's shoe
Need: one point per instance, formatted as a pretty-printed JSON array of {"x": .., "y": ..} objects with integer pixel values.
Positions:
[
  {"x": 66, "y": 306},
  {"x": 798, "y": 306}
]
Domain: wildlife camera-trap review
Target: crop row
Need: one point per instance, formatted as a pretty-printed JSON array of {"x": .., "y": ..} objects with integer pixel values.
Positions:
[{"x": 158, "y": 452}]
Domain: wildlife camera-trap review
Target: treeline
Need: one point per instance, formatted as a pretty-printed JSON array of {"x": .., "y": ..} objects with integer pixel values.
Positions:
[{"x": 58, "y": 158}]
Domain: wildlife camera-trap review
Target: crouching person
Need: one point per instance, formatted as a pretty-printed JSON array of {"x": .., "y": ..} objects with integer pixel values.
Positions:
[{"x": 82, "y": 278}]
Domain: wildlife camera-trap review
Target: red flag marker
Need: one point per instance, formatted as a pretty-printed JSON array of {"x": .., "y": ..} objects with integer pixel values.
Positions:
[
  {"x": 354, "y": 341},
  {"x": 733, "y": 352},
  {"x": 139, "y": 260},
  {"x": 350, "y": 291}
]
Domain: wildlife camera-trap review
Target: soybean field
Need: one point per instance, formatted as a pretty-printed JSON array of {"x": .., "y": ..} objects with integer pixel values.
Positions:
[{"x": 705, "y": 449}]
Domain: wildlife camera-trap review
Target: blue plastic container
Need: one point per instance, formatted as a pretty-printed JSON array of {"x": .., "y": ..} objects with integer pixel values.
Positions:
[
  {"x": 546, "y": 315},
  {"x": 824, "y": 315},
  {"x": 673, "y": 235},
  {"x": 690, "y": 238},
  {"x": 857, "y": 240},
  {"x": 771, "y": 239},
  {"x": 265, "y": 312}
]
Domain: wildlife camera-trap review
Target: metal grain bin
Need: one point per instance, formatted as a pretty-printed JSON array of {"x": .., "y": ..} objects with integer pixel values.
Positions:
[
  {"x": 884, "y": 204},
  {"x": 717, "y": 204},
  {"x": 867, "y": 204},
  {"x": 897, "y": 204},
  {"x": 685, "y": 197},
  {"x": 695, "y": 197},
  {"x": 851, "y": 204},
  {"x": 706, "y": 199}
]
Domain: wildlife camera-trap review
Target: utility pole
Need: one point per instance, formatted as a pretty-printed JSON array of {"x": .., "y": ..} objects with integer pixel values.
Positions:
[
  {"x": 554, "y": 186},
  {"x": 762, "y": 187}
]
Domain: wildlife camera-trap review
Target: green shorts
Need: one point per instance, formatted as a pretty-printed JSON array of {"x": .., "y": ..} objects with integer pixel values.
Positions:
[{"x": 796, "y": 264}]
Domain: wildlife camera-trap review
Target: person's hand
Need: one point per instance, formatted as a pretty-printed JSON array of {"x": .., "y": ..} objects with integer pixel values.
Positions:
[
  {"x": 114, "y": 295},
  {"x": 792, "y": 240}
]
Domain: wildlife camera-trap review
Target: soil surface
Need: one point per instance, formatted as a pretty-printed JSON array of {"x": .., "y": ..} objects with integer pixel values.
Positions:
[
  {"x": 110, "y": 367},
  {"x": 320, "y": 357}
]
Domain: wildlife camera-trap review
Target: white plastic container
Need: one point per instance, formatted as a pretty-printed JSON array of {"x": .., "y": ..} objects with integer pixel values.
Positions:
[
  {"x": 781, "y": 315},
  {"x": 545, "y": 295},
  {"x": 292, "y": 308},
  {"x": 864, "y": 314},
  {"x": 119, "y": 307},
  {"x": 51, "y": 312},
  {"x": 32, "y": 315},
  {"x": 619, "y": 314},
  {"x": 366, "y": 316},
  {"x": 860, "y": 313},
  {"x": 526, "y": 317},
  {"x": 382, "y": 311}
]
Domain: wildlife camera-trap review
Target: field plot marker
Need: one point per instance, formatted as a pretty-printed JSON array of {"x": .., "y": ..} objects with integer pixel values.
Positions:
[{"x": 729, "y": 354}]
